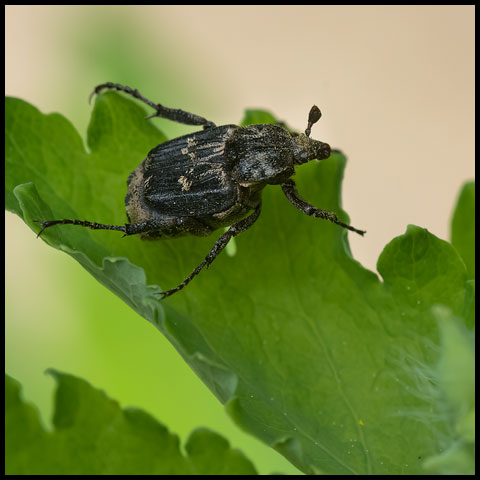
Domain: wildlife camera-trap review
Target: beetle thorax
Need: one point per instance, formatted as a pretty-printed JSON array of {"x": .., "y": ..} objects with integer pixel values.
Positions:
[{"x": 260, "y": 154}]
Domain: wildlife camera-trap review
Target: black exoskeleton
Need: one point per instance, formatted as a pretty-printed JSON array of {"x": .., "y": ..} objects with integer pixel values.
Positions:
[{"x": 196, "y": 183}]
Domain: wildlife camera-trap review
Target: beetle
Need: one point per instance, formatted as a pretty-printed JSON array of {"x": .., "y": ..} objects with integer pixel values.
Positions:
[{"x": 213, "y": 178}]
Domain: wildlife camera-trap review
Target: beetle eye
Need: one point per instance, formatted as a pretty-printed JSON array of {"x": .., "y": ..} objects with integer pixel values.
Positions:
[{"x": 322, "y": 150}]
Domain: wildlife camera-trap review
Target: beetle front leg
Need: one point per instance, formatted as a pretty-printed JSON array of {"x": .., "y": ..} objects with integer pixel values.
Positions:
[
  {"x": 289, "y": 190},
  {"x": 174, "y": 114},
  {"x": 220, "y": 244}
]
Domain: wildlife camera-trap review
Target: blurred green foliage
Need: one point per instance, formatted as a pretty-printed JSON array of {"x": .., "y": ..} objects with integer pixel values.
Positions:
[
  {"x": 93, "y": 436},
  {"x": 455, "y": 376},
  {"x": 463, "y": 228}
]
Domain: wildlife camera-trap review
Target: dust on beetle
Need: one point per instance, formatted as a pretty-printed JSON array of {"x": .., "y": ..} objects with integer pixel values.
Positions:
[{"x": 197, "y": 183}]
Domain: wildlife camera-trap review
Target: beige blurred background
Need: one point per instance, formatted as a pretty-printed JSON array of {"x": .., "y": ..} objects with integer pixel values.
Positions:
[{"x": 396, "y": 89}]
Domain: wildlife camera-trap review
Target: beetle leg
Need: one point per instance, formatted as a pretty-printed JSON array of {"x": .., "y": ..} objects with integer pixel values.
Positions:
[
  {"x": 220, "y": 244},
  {"x": 127, "y": 229},
  {"x": 83, "y": 223},
  {"x": 289, "y": 190},
  {"x": 168, "y": 227},
  {"x": 174, "y": 114}
]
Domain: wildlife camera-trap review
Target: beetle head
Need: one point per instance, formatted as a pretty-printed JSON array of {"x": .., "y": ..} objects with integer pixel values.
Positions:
[{"x": 305, "y": 148}]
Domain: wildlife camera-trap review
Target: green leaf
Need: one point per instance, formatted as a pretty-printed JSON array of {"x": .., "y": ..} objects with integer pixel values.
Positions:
[
  {"x": 309, "y": 351},
  {"x": 92, "y": 435},
  {"x": 463, "y": 226}
]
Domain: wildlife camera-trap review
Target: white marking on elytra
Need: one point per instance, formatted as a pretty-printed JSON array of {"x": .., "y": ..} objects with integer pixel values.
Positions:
[
  {"x": 147, "y": 181},
  {"x": 185, "y": 182}
]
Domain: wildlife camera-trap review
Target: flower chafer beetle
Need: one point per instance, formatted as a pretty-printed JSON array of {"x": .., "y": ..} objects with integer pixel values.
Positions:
[{"x": 197, "y": 183}]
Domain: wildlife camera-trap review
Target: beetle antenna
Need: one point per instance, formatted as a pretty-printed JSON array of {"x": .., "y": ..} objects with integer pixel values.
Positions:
[{"x": 313, "y": 117}]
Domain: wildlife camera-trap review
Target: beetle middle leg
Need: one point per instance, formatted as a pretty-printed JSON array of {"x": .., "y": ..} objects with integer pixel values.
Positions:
[
  {"x": 289, "y": 190},
  {"x": 220, "y": 244},
  {"x": 174, "y": 114}
]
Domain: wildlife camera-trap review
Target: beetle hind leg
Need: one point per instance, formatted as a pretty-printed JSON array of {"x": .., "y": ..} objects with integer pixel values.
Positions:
[
  {"x": 83, "y": 223},
  {"x": 127, "y": 229},
  {"x": 173, "y": 114},
  {"x": 220, "y": 244}
]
